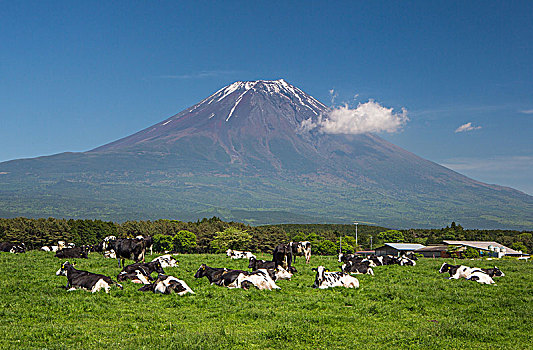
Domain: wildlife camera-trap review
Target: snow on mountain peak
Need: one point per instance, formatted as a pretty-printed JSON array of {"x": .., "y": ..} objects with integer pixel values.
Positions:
[{"x": 280, "y": 87}]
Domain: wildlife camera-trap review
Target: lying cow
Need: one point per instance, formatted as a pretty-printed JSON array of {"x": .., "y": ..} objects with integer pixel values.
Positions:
[
  {"x": 255, "y": 264},
  {"x": 136, "y": 277},
  {"x": 325, "y": 279},
  {"x": 238, "y": 254},
  {"x": 357, "y": 268},
  {"x": 78, "y": 279},
  {"x": 167, "y": 261},
  {"x": 69, "y": 253},
  {"x": 480, "y": 277},
  {"x": 12, "y": 247},
  {"x": 301, "y": 249},
  {"x": 166, "y": 285},
  {"x": 280, "y": 274},
  {"x": 146, "y": 269},
  {"x": 456, "y": 271},
  {"x": 213, "y": 274},
  {"x": 347, "y": 257},
  {"x": 492, "y": 272},
  {"x": 259, "y": 279},
  {"x": 405, "y": 261}
]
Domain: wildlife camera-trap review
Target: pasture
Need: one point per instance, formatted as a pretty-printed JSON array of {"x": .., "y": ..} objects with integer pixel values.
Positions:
[{"x": 400, "y": 307}]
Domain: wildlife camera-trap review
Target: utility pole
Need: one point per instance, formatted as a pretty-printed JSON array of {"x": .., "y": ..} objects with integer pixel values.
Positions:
[
  {"x": 370, "y": 242},
  {"x": 356, "y": 245}
]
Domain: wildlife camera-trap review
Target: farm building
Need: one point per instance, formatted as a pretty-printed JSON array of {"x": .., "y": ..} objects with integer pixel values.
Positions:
[
  {"x": 493, "y": 249},
  {"x": 398, "y": 249},
  {"x": 365, "y": 252},
  {"x": 434, "y": 251}
]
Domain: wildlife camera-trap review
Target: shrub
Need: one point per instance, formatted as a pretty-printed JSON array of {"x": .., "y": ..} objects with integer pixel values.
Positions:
[
  {"x": 470, "y": 253},
  {"x": 162, "y": 243},
  {"x": 230, "y": 238},
  {"x": 184, "y": 242}
]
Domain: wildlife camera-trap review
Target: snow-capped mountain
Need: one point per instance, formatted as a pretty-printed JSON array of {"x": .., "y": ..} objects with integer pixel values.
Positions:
[{"x": 242, "y": 154}]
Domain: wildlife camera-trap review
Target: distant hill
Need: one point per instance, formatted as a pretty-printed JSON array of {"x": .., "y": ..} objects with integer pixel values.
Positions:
[{"x": 241, "y": 154}]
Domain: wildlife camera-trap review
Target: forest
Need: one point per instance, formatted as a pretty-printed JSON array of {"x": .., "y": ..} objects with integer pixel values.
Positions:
[{"x": 212, "y": 235}]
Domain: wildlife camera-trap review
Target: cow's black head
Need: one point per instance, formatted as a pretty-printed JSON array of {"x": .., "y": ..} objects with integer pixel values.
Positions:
[
  {"x": 251, "y": 265},
  {"x": 201, "y": 271},
  {"x": 64, "y": 268},
  {"x": 157, "y": 267},
  {"x": 498, "y": 272},
  {"x": 445, "y": 268}
]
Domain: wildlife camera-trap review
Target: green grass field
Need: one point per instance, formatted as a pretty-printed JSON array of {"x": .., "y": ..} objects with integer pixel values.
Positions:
[{"x": 400, "y": 307}]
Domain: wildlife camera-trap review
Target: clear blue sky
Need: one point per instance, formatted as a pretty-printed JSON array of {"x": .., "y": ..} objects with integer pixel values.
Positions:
[{"x": 77, "y": 74}]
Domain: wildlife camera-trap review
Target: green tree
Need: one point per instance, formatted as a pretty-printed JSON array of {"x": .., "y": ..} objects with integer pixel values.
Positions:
[
  {"x": 470, "y": 253},
  {"x": 519, "y": 246},
  {"x": 326, "y": 247},
  {"x": 162, "y": 243},
  {"x": 184, "y": 242},
  {"x": 391, "y": 236},
  {"x": 230, "y": 238}
]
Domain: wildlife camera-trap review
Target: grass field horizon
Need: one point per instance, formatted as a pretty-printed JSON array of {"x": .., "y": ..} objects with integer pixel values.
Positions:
[{"x": 399, "y": 307}]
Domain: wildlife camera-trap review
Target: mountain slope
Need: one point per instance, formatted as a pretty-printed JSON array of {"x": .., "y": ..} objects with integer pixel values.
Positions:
[{"x": 242, "y": 154}]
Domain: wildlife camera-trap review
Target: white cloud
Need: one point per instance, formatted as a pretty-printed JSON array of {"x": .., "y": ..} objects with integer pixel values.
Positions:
[
  {"x": 366, "y": 117},
  {"x": 467, "y": 127},
  {"x": 333, "y": 95},
  {"x": 527, "y": 111}
]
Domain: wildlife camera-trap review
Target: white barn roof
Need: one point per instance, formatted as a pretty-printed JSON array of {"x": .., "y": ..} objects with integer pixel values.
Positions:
[
  {"x": 483, "y": 245},
  {"x": 405, "y": 246}
]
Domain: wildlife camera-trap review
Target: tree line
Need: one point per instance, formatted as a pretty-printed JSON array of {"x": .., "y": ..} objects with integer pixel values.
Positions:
[{"x": 214, "y": 235}]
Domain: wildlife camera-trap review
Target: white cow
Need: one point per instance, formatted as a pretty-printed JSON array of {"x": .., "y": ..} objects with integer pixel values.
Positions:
[
  {"x": 480, "y": 277},
  {"x": 325, "y": 279},
  {"x": 259, "y": 279},
  {"x": 167, "y": 261},
  {"x": 238, "y": 254}
]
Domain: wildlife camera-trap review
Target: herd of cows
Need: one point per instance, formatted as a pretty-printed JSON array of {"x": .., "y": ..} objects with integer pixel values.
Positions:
[{"x": 263, "y": 274}]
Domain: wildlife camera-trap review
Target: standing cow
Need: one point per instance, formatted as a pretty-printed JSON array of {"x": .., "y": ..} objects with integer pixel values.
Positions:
[
  {"x": 130, "y": 248},
  {"x": 282, "y": 255},
  {"x": 301, "y": 249}
]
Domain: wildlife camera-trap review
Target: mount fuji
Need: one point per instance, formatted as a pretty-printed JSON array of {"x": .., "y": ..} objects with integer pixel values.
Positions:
[{"x": 244, "y": 154}]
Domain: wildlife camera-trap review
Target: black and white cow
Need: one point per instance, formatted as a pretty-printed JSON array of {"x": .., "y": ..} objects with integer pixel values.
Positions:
[
  {"x": 136, "y": 277},
  {"x": 281, "y": 274},
  {"x": 166, "y": 285},
  {"x": 255, "y": 264},
  {"x": 260, "y": 279},
  {"x": 130, "y": 248},
  {"x": 12, "y": 247},
  {"x": 149, "y": 243},
  {"x": 357, "y": 268},
  {"x": 348, "y": 257},
  {"x": 301, "y": 249},
  {"x": 213, "y": 274},
  {"x": 456, "y": 271},
  {"x": 106, "y": 244},
  {"x": 145, "y": 268},
  {"x": 405, "y": 261},
  {"x": 238, "y": 254},
  {"x": 282, "y": 255},
  {"x": 480, "y": 277},
  {"x": 492, "y": 272},
  {"x": 92, "y": 282},
  {"x": 167, "y": 260},
  {"x": 70, "y": 253},
  {"x": 325, "y": 279},
  {"x": 107, "y": 247}
]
